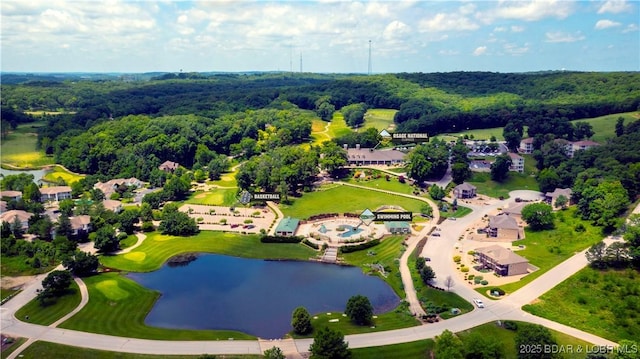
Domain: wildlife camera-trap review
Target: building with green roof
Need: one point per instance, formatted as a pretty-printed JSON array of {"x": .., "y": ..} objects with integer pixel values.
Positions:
[
  {"x": 398, "y": 227},
  {"x": 287, "y": 227}
]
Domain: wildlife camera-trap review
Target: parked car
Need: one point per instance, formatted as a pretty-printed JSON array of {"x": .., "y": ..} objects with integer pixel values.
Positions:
[
  {"x": 435, "y": 234},
  {"x": 452, "y": 218},
  {"x": 478, "y": 303},
  {"x": 427, "y": 259}
]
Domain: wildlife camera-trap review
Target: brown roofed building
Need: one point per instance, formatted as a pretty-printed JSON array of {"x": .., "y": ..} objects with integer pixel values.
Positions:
[
  {"x": 168, "y": 166},
  {"x": 503, "y": 261},
  {"x": 368, "y": 156},
  {"x": 11, "y": 195},
  {"x": 55, "y": 193},
  {"x": 22, "y": 216},
  {"x": 464, "y": 190},
  {"x": 109, "y": 187},
  {"x": 503, "y": 227},
  {"x": 552, "y": 197},
  {"x": 80, "y": 224}
]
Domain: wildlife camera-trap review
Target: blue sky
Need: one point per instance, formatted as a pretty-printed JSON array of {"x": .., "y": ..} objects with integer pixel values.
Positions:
[{"x": 330, "y": 36}]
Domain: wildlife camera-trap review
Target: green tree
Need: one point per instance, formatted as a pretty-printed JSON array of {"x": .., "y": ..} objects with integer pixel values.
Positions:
[
  {"x": 325, "y": 110},
  {"x": 512, "y": 134},
  {"x": 420, "y": 262},
  {"x": 428, "y": 160},
  {"x": 561, "y": 202},
  {"x": 128, "y": 219},
  {"x": 217, "y": 166},
  {"x": 632, "y": 237},
  {"x": 449, "y": 346},
  {"x": 539, "y": 216},
  {"x": 177, "y": 223},
  {"x": 31, "y": 193},
  {"x": 106, "y": 240},
  {"x": 427, "y": 274},
  {"x": 627, "y": 349},
  {"x": 460, "y": 172},
  {"x": 617, "y": 253},
  {"x": 54, "y": 285},
  {"x": 620, "y": 126},
  {"x": 548, "y": 180},
  {"x": 479, "y": 346},
  {"x": 359, "y": 310},
  {"x": 500, "y": 168},
  {"x": 329, "y": 344},
  {"x": 534, "y": 336},
  {"x": 333, "y": 157},
  {"x": 582, "y": 130},
  {"x": 16, "y": 228},
  {"x": 301, "y": 321},
  {"x": 426, "y": 210},
  {"x": 596, "y": 255},
  {"x": 274, "y": 353},
  {"x": 354, "y": 114},
  {"x": 81, "y": 263},
  {"x": 436, "y": 192}
]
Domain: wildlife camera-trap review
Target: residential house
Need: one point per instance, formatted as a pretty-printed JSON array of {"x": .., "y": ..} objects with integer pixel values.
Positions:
[
  {"x": 464, "y": 190},
  {"x": 501, "y": 260},
  {"x": 55, "y": 193},
  {"x": 398, "y": 227},
  {"x": 110, "y": 187},
  {"x": 526, "y": 145},
  {"x": 503, "y": 226},
  {"x": 287, "y": 227},
  {"x": 369, "y": 156},
  {"x": 112, "y": 205},
  {"x": 11, "y": 195},
  {"x": 515, "y": 210},
  {"x": 80, "y": 225},
  {"x": 552, "y": 197},
  {"x": 581, "y": 146},
  {"x": 22, "y": 216},
  {"x": 168, "y": 166},
  {"x": 517, "y": 163}
]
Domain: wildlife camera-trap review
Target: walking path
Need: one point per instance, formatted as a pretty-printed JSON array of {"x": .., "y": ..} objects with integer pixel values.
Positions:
[{"x": 508, "y": 308}]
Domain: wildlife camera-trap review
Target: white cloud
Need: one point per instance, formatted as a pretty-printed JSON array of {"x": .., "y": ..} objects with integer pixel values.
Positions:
[
  {"x": 528, "y": 10},
  {"x": 516, "y": 28},
  {"x": 630, "y": 28},
  {"x": 614, "y": 7},
  {"x": 480, "y": 50},
  {"x": 560, "y": 36},
  {"x": 447, "y": 22},
  {"x": 396, "y": 29},
  {"x": 448, "y": 52},
  {"x": 605, "y": 24},
  {"x": 516, "y": 50}
]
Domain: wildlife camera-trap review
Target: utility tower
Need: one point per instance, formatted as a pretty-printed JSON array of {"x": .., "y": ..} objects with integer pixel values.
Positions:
[{"x": 369, "y": 68}]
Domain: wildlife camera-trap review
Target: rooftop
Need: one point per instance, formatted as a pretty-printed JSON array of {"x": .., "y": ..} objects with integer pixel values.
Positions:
[
  {"x": 288, "y": 224},
  {"x": 501, "y": 255},
  {"x": 503, "y": 222},
  {"x": 369, "y": 154}
]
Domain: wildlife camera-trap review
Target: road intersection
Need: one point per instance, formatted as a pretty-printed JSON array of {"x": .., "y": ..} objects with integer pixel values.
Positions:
[{"x": 441, "y": 252}]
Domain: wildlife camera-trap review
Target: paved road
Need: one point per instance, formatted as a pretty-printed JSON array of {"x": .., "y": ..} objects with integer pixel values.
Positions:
[{"x": 508, "y": 308}]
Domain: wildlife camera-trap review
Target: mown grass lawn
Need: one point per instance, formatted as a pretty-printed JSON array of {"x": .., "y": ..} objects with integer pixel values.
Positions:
[
  {"x": 5, "y": 293},
  {"x": 20, "y": 265},
  {"x": 603, "y": 302},
  {"x": 547, "y": 249},
  {"x": 48, "y": 314},
  {"x": 19, "y": 148},
  {"x": 16, "y": 344},
  {"x": 129, "y": 241},
  {"x": 381, "y": 183},
  {"x": 605, "y": 126},
  {"x": 339, "y": 199},
  {"x": 430, "y": 297},
  {"x": 216, "y": 197},
  {"x": 59, "y": 173},
  {"x": 460, "y": 212},
  {"x": 40, "y": 349},
  {"x": 486, "y": 186},
  {"x": 379, "y": 118},
  {"x": 338, "y": 126},
  {"x": 118, "y": 305},
  {"x": 412, "y": 350},
  {"x": 227, "y": 179},
  {"x": 157, "y": 248}
]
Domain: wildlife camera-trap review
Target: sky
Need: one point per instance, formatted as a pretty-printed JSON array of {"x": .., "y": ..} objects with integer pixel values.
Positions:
[{"x": 326, "y": 36}]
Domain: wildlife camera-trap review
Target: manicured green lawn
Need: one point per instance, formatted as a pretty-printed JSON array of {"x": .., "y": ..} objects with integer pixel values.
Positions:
[
  {"x": 118, "y": 305},
  {"x": 605, "y": 126},
  {"x": 129, "y": 241},
  {"x": 379, "y": 118},
  {"x": 398, "y": 169},
  {"x": 58, "y": 172},
  {"x": 19, "y": 148},
  {"x": 17, "y": 265},
  {"x": 157, "y": 248},
  {"x": 547, "y": 249},
  {"x": 381, "y": 183},
  {"x": 227, "y": 179},
  {"x": 340, "y": 199},
  {"x": 216, "y": 197},
  {"x": 433, "y": 297},
  {"x": 486, "y": 186},
  {"x": 602, "y": 302},
  {"x": 4, "y": 293},
  {"x": 338, "y": 126},
  {"x": 459, "y": 213},
  {"x": 16, "y": 344},
  {"x": 49, "y": 314},
  {"x": 412, "y": 350},
  {"x": 40, "y": 349}
]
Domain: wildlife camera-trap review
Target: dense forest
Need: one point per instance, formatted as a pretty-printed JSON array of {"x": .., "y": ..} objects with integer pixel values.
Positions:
[{"x": 126, "y": 126}]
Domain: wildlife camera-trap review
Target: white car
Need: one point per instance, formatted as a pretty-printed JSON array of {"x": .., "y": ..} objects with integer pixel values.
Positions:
[{"x": 478, "y": 303}]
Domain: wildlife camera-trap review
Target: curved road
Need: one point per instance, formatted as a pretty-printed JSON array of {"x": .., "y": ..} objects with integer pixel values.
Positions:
[{"x": 507, "y": 308}]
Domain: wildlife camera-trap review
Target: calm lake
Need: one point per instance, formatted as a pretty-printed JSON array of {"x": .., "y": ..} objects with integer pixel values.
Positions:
[{"x": 255, "y": 296}]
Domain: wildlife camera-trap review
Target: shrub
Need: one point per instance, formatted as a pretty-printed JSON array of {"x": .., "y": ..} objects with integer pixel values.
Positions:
[
  {"x": 498, "y": 290},
  {"x": 280, "y": 239},
  {"x": 457, "y": 259},
  {"x": 471, "y": 276},
  {"x": 511, "y": 325},
  {"x": 464, "y": 269},
  {"x": 484, "y": 282},
  {"x": 359, "y": 247},
  {"x": 148, "y": 226},
  {"x": 310, "y": 244},
  {"x": 199, "y": 219},
  {"x": 248, "y": 221},
  {"x": 579, "y": 228}
]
